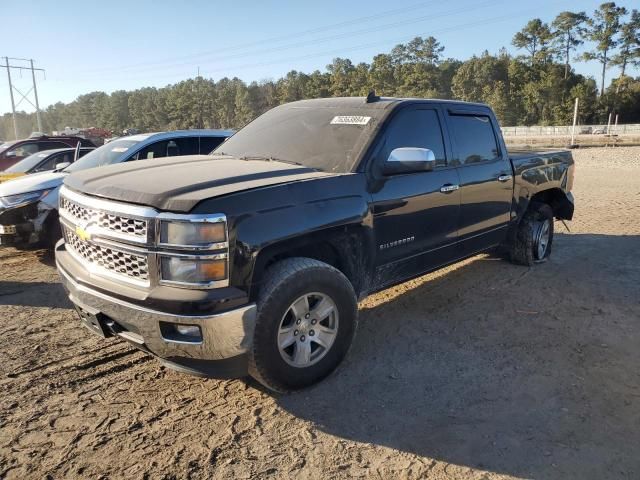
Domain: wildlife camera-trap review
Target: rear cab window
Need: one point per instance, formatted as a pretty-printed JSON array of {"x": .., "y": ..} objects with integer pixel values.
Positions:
[{"x": 474, "y": 138}]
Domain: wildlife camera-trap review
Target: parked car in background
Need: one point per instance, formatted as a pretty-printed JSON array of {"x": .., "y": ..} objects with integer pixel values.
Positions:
[
  {"x": 45, "y": 161},
  {"x": 255, "y": 264},
  {"x": 12, "y": 152},
  {"x": 29, "y": 205}
]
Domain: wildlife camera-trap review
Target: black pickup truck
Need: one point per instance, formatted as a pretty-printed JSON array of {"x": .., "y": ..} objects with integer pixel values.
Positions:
[{"x": 253, "y": 261}]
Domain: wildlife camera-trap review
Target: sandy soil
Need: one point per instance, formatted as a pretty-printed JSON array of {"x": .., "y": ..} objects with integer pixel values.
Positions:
[{"x": 485, "y": 370}]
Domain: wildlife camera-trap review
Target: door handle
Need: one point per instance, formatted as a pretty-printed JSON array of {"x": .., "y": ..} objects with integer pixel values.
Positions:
[
  {"x": 505, "y": 178},
  {"x": 448, "y": 188}
]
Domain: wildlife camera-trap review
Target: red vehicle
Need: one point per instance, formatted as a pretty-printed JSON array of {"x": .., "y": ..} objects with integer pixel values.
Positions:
[{"x": 12, "y": 152}]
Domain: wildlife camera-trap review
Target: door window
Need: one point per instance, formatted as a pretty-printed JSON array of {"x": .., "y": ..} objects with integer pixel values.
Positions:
[
  {"x": 52, "y": 145},
  {"x": 53, "y": 160},
  {"x": 169, "y": 148},
  {"x": 474, "y": 138},
  {"x": 208, "y": 144},
  {"x": 25, "y": 149},
  {"x": 418, "y": 128}
]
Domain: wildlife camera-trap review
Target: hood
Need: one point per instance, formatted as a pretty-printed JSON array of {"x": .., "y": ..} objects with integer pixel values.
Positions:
[
  {"x": 31, "y": 183},
  {"x": 179, "y": 183}
]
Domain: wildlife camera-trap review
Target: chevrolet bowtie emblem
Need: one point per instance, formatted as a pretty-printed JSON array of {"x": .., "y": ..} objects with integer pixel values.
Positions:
[{"x": 82, "y": 233}]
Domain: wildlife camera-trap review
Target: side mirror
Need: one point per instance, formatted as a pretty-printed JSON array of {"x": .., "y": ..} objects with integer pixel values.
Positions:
[
  {"x": 11, "y": 154},
  {"x": 62, "y": 166},
  {"x": 409, "y": 160}
]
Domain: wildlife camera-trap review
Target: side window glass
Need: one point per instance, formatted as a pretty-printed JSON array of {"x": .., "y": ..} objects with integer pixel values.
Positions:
[
  {"x": 208, "y": 144},
  {"x": 51, "y": 162},
  {"x": 418, "y": 128},
  {"x": 52, "y": 145},
  {"x": 186, "y": 146},
  {"x": 25, "y": 149},
  {"x": 155, "y": 150},
  {"x": 474, "y": 138}
]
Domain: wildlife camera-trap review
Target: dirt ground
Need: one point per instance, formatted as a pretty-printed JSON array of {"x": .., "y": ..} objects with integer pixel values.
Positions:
[{"x": 484, "y": 370}]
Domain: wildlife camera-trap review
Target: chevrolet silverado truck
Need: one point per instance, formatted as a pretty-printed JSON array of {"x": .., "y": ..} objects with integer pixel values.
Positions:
[{"x": 253, "y": 261}]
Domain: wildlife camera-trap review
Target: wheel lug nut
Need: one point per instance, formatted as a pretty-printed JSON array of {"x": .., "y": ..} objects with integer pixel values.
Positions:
[
  {"x": 307, "y": 316},
  {"x": 313, "y": 322},
  {"x": 311, "y": 333},
  {"x": 295, "y": 332},
  {"x": 298, "y": 322},
  {"x": 302, "y": 338}
]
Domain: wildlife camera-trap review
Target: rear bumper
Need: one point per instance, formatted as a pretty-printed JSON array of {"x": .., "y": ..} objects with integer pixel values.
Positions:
[{"x": 221, "y": 350}]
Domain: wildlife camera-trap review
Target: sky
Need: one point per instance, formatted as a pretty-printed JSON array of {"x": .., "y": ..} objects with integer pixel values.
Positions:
[{"x": 87, "y": 46}]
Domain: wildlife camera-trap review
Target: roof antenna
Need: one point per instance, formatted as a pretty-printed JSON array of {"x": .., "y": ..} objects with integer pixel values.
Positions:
[{"x": 372, "y": 97}]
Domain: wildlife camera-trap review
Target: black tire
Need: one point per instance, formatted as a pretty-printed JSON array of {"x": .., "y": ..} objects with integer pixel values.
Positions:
[
  {"x": 524, "y": 249},
  {"x": 284, "y": 282}
]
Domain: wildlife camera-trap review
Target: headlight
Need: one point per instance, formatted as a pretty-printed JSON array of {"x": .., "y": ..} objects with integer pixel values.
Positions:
[
  {"x": 12, "y": 201},
  {"x": 204, "y": 258},
  {"x": 201, "y": 233},
  {"x": 201, "y": 271}
]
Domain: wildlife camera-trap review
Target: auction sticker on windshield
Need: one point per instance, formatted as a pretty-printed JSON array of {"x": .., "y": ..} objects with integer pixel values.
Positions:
[{"x": 350, "y": 120}]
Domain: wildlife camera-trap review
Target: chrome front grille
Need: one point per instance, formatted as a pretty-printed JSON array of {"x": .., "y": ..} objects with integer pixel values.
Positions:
[
  {"x": 111, "y": 259},
  {"x": 120, "y": 240},
  {"x": 109, "y": 222}
]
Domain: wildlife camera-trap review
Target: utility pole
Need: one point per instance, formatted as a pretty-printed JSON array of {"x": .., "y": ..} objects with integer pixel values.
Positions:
[
  {"x": 575, "y": 120},
  {"x": 13, "y": 105},
  {"x": 35, "y": 95},
  {"x": 25, "y": 96}
]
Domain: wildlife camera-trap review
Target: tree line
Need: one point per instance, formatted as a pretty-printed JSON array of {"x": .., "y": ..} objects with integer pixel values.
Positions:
[{"x": 537, "y": 87}]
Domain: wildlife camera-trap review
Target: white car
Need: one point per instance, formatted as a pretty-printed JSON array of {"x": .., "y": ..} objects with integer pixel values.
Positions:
[{"x": 29, "y": 204}]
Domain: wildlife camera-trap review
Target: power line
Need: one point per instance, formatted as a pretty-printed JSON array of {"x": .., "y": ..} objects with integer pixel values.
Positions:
[
  {"x": 268, "y": 40},
  {"x": 348, "y": 49},
  {"x": 325, "y": 39}
]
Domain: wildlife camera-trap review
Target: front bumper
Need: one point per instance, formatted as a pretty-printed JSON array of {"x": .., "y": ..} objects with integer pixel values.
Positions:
[
  {"x": 220, "y": 352},
  {"x": 25, "y": 225},
  {"x": 16, "y": 235}
]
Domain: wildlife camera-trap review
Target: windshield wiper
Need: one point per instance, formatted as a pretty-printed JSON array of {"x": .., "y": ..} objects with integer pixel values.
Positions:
[{"x": 270, "y": 159}]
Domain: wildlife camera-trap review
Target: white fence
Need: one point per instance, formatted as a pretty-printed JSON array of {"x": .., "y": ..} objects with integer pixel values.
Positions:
[{"x": 632, "y": 128}]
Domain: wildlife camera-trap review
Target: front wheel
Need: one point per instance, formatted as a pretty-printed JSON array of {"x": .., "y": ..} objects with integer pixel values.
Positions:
[
  {"x": 306, "y": 321},
  {"x": 534, "y": 237}
]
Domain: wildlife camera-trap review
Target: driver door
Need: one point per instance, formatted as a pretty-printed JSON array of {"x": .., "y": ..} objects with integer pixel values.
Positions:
[{"x": 415, "y": 215}]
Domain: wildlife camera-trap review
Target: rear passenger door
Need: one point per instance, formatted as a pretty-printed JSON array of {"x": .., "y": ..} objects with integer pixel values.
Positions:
[{"x": 486, "y": 185}]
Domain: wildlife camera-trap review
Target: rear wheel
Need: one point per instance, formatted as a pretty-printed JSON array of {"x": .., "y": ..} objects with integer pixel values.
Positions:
[
  {"x": 307, "y": 317},
  {"x": 534, "y": 237}
]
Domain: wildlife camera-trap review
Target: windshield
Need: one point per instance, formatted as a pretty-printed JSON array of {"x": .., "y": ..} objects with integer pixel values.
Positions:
[
  {"x": 107, "y": 154},
  {"x": 26, "y": 164},
  {"x": 327, "y": 138}
]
